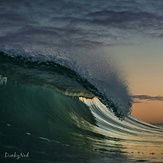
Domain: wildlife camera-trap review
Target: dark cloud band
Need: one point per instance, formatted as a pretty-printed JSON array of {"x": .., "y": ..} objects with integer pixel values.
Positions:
[
  {"x": 79, "y": 23},
  {"x": 147, "y": 97}
]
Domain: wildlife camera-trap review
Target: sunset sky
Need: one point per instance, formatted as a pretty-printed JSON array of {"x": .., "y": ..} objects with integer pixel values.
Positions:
[{"x": 143, "y": 66}]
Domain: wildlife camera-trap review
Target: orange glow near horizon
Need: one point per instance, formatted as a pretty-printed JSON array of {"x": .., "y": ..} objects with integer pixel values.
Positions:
[
  {"x": 148, "y": 111},
  {"x": 142, "y": 65}
]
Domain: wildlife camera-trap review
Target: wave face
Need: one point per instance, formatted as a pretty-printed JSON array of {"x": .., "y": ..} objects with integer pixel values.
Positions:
[
  {"x": 66, "y": 80},
  {"x": 57, "y": 113}
]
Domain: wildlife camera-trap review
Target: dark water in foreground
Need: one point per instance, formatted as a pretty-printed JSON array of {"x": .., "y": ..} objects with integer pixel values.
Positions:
[{"x": 49, "y": 113}]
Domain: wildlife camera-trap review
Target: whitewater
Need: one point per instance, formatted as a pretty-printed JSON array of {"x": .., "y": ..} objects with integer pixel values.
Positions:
[{"x": 62, "y": 96}]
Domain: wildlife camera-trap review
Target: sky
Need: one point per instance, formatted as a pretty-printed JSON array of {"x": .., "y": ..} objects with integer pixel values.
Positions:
[
  {"x": 144, "y": 74},
  {"x": 129, "y": 32}
]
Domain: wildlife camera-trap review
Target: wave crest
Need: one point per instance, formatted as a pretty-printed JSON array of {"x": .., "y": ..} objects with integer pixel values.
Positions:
[{"x": 63, "y": 79}]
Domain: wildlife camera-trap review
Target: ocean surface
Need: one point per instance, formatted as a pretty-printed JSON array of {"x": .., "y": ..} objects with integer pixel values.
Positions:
[
  {"x": 55, "y": 115},
  {"x": 63, "y": 98}
]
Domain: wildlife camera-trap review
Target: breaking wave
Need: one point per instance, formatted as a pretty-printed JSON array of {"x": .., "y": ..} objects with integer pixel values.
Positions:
[{"x": 56, "y": 113}]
